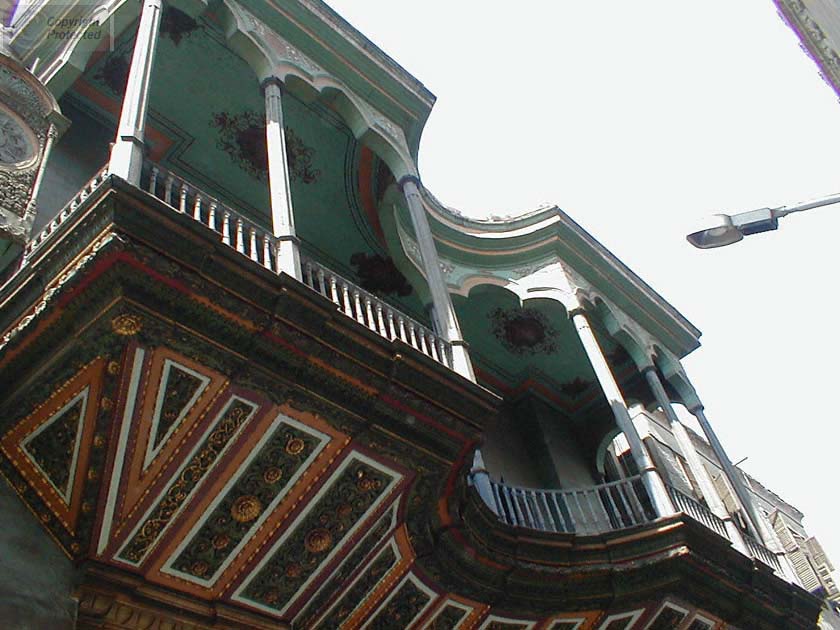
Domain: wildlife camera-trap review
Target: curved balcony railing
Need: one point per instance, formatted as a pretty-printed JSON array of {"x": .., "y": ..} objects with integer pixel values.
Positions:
[
  {"x": 598, "y": 509},
  {"x": 762, "y": 553},
  {"x": 696, "y": 510}
]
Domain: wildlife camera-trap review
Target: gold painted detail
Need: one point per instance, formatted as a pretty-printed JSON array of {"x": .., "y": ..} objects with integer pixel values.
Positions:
[
  {"x": 236, "y": 415},
  {"x": 246, "y": 509},
  {"x": 127, "y": 325},
  {"x": 318, "y": 540},
  {"x": 324, "y": 527},
  {"x": 295, "y": 446},
  {"x": 273, "y": 474}
]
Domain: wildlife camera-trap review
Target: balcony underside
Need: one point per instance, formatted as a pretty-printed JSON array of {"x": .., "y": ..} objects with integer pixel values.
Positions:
[{"x": 209, "y": 435}]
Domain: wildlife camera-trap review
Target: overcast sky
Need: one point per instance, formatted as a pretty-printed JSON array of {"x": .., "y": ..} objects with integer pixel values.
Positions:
[{"x": 638, "y": 118}]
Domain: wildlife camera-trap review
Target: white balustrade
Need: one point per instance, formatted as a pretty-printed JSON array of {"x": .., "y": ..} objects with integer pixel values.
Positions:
[
  {"x": 374, "y": 313},
  {"x": 696, "y": 510},
  {"x": 66, "y": 212},
  {"x": 259, "y": 245},
  {"x": 595, "y": 510}
]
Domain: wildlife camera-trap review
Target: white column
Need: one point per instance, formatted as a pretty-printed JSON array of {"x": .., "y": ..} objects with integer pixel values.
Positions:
[
  {"x": 127, "y": 153},
  {"x": 280, "y": 194},
  {"x": 444, "y": 311},
  {"x": 650, "y": 476},
  {"x": 695, "y": 464}
]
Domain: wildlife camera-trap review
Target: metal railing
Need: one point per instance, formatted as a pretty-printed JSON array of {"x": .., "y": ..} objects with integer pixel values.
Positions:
[
  {"x": 762, "y": 553},
  {"x": 696, "y": 510},
  {"x": 598, "y": 509},
  {"x": 374, "y": 313}
]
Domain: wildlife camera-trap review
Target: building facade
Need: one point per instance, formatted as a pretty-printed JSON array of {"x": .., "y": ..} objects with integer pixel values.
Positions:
[{"x": 255, "y": 375}]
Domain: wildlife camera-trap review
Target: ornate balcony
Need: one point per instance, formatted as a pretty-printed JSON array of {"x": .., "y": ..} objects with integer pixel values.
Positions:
[{"x": 261, "y": 247}]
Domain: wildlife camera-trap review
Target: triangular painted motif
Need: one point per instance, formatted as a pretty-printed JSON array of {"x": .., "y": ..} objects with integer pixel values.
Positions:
[
  {"x": 180, "y": 388},
  {"x": 54, "y": 446}
]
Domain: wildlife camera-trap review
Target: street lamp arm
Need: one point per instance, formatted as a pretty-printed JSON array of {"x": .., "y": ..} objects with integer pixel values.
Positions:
[
  {"x": 725, "y": 229},
  {"x": 808, "y": 205}
]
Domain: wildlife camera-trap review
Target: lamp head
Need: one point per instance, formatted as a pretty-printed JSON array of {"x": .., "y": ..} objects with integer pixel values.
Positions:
[{"x": 720, "y": 231}]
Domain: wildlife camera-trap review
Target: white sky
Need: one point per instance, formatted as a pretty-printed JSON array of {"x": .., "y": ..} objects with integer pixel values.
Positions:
[{"x": 638, "y": 118}]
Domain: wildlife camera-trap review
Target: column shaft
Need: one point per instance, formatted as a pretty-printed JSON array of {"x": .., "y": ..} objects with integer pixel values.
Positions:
[
  {"x": 444, "y": 311},
  {"x": 127, "y": 154},
  {"x": 734, "y": 476},
  {"x": 282, "y": 212},
  {"x": 650, "y": 476},
  {"x": 687, "y": 450}
]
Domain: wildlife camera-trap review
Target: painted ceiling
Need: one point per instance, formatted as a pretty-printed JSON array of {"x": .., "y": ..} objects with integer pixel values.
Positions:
[{"x": 215, "y": 139}]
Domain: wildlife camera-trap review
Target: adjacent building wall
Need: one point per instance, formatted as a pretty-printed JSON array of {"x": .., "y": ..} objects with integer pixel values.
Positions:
[{"x": 37, "y": 578}]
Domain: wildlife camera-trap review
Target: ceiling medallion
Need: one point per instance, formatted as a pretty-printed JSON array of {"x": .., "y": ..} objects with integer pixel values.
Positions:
[
  {"x": 523, "y": 331},
  {"x": 318, "y": 540},
  {"x": 245, "y": 509}
]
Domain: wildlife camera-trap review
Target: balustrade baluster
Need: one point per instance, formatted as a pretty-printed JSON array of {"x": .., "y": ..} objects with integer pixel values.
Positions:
[
  {"x": 549, "y": 516},
  {"x": 182, "y": 197},
  {"x": 619, "y": 517},
  {"x": 511, "y": 512},
  {"x": 412, "y": 336},
  {"x": 500, "y": 510},
  {"x": 211, "y": 215},
  {"x": 371, "y": 322},
  {"x": 345, "y": 296},
  {"x": 226, "y": 227},
  {"x": 322, "y": 287},
  {"x": 357, "y": 301},
  {"x": 380, "y": 320},
  {"x": 167, "y": 188},
  {"x": 432, "y": 343},
  {"x": 334, "y": 289},
  {"x": 565, "y": 516},
  {"x": 401, "y": 327},
  {"x": 240, "y": 237},
  {"x": 392, "y": 331},
  {"x": 266, "y": 241},
  {"x": 197, "y": 207},
  {"x": 153, "y": 177},
  {"x": 252, "y": 245},
  {"x": 307, "y": 275}
]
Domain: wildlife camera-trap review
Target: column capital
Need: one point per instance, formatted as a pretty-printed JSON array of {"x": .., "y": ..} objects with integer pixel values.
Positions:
[
  {"x": 272, "y": 80},
  {"x": 577, "y": 310},
  {"x": 409, "y": 178}
]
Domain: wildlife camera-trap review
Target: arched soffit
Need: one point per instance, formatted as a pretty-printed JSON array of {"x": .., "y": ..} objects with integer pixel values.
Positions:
[
  {"x": 675, "y": 376},
  {"x": 269, "y": 55},
  {"x": 622, "y": 331},
  {"x": 601, "y": 451}
]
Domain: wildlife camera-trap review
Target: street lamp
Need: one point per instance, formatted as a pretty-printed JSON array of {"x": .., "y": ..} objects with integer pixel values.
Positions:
[{"x": 727, "y": 229}]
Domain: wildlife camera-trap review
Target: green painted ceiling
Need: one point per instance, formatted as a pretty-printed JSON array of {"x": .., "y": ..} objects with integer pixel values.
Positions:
[{"x": 207, "y": 102}]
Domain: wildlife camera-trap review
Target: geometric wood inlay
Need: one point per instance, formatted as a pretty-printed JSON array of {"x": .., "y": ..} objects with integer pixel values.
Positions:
[
  {"x": 275, "y": 464},
  {"x": 622, "y": 621},
  {"x": 403, "y": 607},
  {"x": 179, "y": 389},
  {"x": 448, "y": 618},
  {"x": 569, "y": 624},
  {"x": 339, "y": 508},
  {"x": 669, "y": 618},
  {"x": 504, "y": 623},
  {"x": 350, "y": 565},
  {"x": 54, "y": 446},
  {"x": 51, "y": 447},
  {"x": 355, "y": 597},
  {"x": 218, "y": 437}
]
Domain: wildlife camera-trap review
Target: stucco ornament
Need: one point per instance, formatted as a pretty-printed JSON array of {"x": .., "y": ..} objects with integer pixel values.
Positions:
[{"x": 29, "y": 123}]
